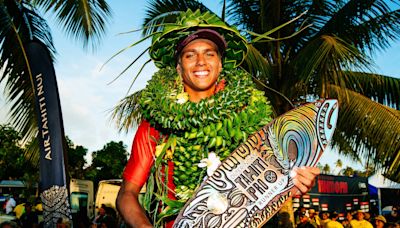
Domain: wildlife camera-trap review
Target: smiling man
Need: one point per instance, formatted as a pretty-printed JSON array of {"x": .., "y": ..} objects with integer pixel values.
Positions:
[{"x": 176, "y": 129}]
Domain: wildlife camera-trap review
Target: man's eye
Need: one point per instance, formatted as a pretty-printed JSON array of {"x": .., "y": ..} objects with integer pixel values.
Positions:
[
  {"x": 189, "y": 55},
  {"x": 211, "y": 53}
]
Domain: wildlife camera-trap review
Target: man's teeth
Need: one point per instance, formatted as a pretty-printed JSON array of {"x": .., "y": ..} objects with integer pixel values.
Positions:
[{"x": 201, "y": 73}]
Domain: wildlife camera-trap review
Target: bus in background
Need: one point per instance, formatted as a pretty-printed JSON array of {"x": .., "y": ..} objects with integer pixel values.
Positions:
[{"x": 82, "y": 196}]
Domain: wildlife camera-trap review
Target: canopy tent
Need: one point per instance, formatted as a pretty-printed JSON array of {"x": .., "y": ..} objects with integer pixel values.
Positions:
[
  {"x": 379, "y": 181},
  {"x": 385, "y": 190}
]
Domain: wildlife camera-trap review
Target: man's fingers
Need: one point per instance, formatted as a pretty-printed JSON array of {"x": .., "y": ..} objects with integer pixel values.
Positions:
[{"x": 304, "y": 177}]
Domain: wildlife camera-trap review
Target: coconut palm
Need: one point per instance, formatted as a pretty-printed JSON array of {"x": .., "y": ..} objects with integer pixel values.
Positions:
[
  {"x": 20, "y": 22},
  {"x": 348, "y": 171},
  {"x": 327, "y": 57},
  {"x": 326, "y": 169},
  {"x": 338, "y": 165}
]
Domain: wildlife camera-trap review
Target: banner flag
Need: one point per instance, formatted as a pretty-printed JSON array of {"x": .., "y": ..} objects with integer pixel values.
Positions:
[{"x": 53, "y": 187}]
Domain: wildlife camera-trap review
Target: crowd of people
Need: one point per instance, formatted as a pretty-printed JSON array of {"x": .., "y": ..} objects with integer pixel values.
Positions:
[
  {"x": 27, "y": 215},
  {"x": 352, "y": 219}
]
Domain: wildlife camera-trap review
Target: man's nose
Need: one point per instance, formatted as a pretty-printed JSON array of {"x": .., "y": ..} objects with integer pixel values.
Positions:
[{"x": 200, "y": 60}]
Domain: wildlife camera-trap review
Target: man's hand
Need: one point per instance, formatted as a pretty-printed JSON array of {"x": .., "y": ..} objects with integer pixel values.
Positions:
[{"x": 303, "y": 179}]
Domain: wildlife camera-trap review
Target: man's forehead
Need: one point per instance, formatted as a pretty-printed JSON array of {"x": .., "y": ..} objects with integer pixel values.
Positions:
[{"x": 198, "y": 43}]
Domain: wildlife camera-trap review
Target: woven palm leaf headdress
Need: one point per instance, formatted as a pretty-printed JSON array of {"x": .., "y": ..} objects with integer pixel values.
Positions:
[{"x": 163, "y": 48}]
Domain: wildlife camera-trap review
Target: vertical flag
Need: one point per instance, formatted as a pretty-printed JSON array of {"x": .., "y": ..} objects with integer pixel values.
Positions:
[{"x": 53, "y": 187}]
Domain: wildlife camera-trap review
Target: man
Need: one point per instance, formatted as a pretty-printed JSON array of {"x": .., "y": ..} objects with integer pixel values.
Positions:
[
  {"x": 304, "y": 221},
  {"x": 334, "y": 223},
  {"x": 314, "y": 218},
  {"x": 199, "y": 64},
  {"x": 29, "y": 219},
  {"x": 325, "y": 218},
  {"x": 359, "y": 222},
  {"x": 380, "y": 221},
  {"x": 10, "y": 204}
]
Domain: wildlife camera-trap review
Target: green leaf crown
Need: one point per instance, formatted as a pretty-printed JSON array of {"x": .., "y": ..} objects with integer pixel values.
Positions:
[{"x": 164, "y": 43}]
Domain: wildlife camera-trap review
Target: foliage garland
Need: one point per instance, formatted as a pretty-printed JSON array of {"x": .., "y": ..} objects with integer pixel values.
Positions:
[{"x": 217, "y": 124}]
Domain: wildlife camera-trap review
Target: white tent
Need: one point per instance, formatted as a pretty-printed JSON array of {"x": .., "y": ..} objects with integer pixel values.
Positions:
[{"x": 379, "y": 181}]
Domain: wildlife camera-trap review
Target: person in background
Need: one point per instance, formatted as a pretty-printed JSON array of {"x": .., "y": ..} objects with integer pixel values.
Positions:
[
  {"x": 305, "y": 221},
  {"x": 334, "y": 223},
  {"x": 360, "y": 222},
  {"x": 393, "y": 217},
  {"x": 346, "y": 223},
  {"x": 314, "y": 218},
  {"x": 99, "y": 218},
  {"x": 380, "y": 221},
  {"x": 299, "y": 212},
  {"x": 325, "y": 219},
  {"x": 29, "y": 219},
  {"x": 367, "y": 216},
  {"x": 11, "y": 203}
]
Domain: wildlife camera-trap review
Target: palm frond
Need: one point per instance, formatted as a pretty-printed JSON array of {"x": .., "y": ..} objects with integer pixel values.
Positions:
[
  {"x": 380, "y": 88},
  {"x": 165, "y": 11},
  {"x": 368, "y": 24},
  {"x": 323, "y": 61},
  {"x": 83, "y": 19},
  {"x": 127, "y": 113},
  {"x": 371, "y": 130},
  {"x": 20, "y": 24}
]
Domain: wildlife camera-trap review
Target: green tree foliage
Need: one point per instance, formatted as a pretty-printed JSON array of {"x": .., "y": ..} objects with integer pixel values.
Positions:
[
  {"x": 326, "y": 169},
  {"x": 108, "y": 163},
  {"x": 348, "y": 171},
  {"x": 13, "y": 164},
  {"x": 323, "y": 54},
  {"x": 76, "y": 159}
]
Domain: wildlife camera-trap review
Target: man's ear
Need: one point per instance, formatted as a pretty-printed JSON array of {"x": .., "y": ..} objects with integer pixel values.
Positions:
[
  {"x": 220, "y": 67},
  {"x": 179, "y": 69}
]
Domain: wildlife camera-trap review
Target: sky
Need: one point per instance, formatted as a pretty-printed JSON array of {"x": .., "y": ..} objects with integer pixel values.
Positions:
[{"x": 87, "y": 96}]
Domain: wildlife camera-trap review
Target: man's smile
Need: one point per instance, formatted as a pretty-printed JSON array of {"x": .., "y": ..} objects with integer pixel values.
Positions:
[{"x": 202, "y": 73}]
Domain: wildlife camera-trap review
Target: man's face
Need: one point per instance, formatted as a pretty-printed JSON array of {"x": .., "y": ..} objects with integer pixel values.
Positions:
[
  {"x": 360, "y": 216},
  {"x": 199, "y": 67},
  {"x": 379, "y": 223}
]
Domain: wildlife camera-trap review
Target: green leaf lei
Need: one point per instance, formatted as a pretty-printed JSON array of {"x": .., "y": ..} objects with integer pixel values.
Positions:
[{"x": 217, "y": 124}]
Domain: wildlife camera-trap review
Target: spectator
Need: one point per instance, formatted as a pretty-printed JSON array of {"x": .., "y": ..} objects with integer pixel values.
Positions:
[
  {"x": 359, "y": 222},
  {"x": 346, "y": 223},
  {"x": 380, "y": 221},
  {"x": 29, "y": 219},
  {"x": 11, "y": 203},
  {"x": 393, "y": 217},
  {"x": 300, "y": 211},
  {"x": 334, "y": 223},
  {"x": 305, "y": 221},
  {"x": 314, "y": 218},
  {"x": 99, "y": 218},
  {"x": 325, "y": 219}
]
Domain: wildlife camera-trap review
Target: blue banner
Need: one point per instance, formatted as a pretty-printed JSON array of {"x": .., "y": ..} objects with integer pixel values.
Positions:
[{"x": 53, "y": 187}]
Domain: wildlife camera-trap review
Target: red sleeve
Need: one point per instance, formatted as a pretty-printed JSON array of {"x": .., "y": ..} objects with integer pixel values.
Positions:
[{"x": 142, "y": 154}]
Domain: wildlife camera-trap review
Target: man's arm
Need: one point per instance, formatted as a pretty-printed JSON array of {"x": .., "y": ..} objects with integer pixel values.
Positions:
[{"x": 129, "y": 207}]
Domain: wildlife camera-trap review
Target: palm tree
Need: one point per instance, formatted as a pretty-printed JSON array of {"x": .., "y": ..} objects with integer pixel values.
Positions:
[
  {"x": 20, "y": 22},
  {"x": 328, "y": 59},
  {"x": 348, "y": 171},
  {"x": 338, "y": 165},
  {"x": 326, "y": 169}
]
